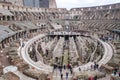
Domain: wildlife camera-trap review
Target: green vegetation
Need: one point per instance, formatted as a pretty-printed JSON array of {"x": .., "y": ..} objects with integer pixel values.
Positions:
[{"x": 66, "y": 56}]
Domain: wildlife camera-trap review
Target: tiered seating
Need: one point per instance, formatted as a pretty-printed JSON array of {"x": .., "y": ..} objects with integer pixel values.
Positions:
[
  {"x": 5, "y": 32},
  {"x": 9, "y": 76},
  {"x": 98, "y": 18},
  {"x": 94, "y": 20},
  {"x": 25, "y": 25},
  {"x": 14, "y": 59},
  {"x": 30, "y": 24},
  {"x": 109, "y": 14},
  {"x": 115, "y": 61},
  {"x": 56, "y": 26}
]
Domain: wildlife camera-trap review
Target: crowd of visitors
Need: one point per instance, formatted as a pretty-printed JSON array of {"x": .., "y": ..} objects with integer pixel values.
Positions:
[
  {"x": 94, "y": 66},
  {"x": 68, "y": 68}
]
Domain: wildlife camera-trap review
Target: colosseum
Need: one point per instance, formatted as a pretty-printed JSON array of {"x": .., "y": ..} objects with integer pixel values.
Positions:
[{"x": 50, "y": 43}]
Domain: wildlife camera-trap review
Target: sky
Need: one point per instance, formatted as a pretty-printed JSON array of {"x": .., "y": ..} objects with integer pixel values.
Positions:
[{"x": 83, "y": 3}]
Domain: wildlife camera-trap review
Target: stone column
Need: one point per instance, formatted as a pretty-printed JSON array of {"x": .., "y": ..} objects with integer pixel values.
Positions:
[
  {"x": 118, "y": 37},
  {"x": 3, "y": 46},
  {"x": 11, "y": 18},
  {"x": 6, "y": 18},
  {"x": 0, "y": 46},
  {"x": 1, "y": 18},
  {"x": 14, "y": 37}
]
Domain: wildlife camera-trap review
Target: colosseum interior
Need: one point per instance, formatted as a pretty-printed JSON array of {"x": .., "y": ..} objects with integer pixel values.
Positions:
[{"x": 59, "y": 44}]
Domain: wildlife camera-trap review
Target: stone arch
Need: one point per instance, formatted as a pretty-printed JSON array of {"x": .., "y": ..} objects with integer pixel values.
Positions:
[
  {"x": 4, "y": 18},
  {"x": 8, "y": 18},
  {"x": 0, "y": 18},
  {"x": 39, "y": 17},
  {"x": 13, "y": 18}
]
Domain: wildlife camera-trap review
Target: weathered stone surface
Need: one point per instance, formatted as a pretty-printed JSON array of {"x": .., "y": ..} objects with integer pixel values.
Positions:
[{"x": 9, "y": 76}]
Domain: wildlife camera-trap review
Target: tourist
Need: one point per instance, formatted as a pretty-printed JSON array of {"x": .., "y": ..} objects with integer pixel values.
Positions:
[
  {"x": 79, "y": 69},
  {"x": 115, "y": 71},
  {"x": 67, "y": 75},
  {"x": 60, "y": 68},
  {"x": 97, "y": 66},
  {"x": 54, "y": 67},
  {"x": 91, "y": 78},
  {"x": 64, "y": 67},
  {"x": 91, "y": 67},
  {"x": 23, "y": 44},
  {"x": 71, "y": 70},
  {"x": 61, "y": 76},
  {"x": 68, "y": 65}
]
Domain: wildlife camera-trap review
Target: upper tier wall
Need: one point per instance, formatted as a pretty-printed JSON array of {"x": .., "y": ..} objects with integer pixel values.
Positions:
[
  {"x": 30, "y": 9},
  {"x": 102, "y": 7}
]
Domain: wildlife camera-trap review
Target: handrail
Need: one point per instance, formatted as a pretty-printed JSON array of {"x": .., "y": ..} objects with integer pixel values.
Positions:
[
  {"x": 108, "y": 53},
  {"x": 26, "y": 57},
  {"x": 106, "y": 57}
]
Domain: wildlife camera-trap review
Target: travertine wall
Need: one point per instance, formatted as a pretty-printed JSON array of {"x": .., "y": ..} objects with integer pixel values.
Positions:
[
  {"x": 52, "y": 4},
  {"x": 15, "y": 2}
]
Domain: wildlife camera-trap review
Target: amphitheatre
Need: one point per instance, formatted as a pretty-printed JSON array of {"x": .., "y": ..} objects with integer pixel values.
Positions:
[{"x": 43, "y": 43}]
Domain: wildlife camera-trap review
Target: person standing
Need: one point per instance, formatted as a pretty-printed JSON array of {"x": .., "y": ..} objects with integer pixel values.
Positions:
[
  {"x": 60, "y": 68},
  {"x": 91, "y": 78},
  {"x": 119, "y": 73},
  {"x": 79, "y": 69},
  {"x": 71, "y": 70},
  {"x": 97, "y": 66},
  {"x": 94, "y": 65},
  {"x": 61, "y": 76},
  {"x": 64, "y": 67},
  {"x": 54, "y": 67},
  {"x": 67, "y": 75}
]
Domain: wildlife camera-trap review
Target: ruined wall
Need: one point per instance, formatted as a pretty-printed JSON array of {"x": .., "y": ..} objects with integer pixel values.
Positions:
[
  {"x": 14, "y": 2},
  {"x": 52, "y": 4}
]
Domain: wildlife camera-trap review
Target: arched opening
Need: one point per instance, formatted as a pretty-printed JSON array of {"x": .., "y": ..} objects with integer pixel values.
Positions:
[
  {"x": 8, "y": 18},
  {"x": 76, "y": 17},
  {"x": 0, "y": 18},
  {"x": 39, "y": 17},
  {"x": 4, "y": 18},
  {"x": 13, "y": 18}
]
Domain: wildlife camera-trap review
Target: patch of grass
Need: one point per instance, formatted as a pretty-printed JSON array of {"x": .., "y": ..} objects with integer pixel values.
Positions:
[{"x": 65, "y": 60}]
